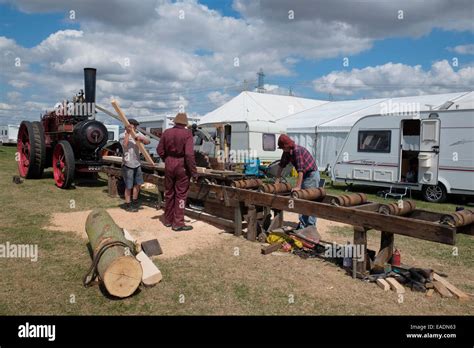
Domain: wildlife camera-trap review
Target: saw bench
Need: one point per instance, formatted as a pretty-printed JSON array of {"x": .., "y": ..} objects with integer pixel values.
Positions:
[{"x": 231, "y": 201}]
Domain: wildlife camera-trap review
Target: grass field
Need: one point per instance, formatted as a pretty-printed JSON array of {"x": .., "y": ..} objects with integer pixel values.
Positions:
[{"x": 213, "y": 281}]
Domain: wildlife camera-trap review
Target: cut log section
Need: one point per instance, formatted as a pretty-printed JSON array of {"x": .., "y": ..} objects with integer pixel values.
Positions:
[
  {"x": 310, "y": 194},
  {"x": 276, "y": 188},
  {"x": 247, "y": 184},
  {"x": 399, "y": 209},
  {"x": 349, "y": 200},
  {"x": 120, "y": 272},
  {"x": 458, "y": 219}
]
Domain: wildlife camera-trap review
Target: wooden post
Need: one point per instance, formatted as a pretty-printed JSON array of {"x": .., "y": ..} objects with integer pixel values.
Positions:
[
  {"x": 237, "y": 220},
  {"x": 386, "y": 249},
  {"x": 112, "y": 185},
  {"x": 360, "y": 238},
  {"x": 252, "y": 223},
  {"x": 132, "y": 133},
  {"x": 278, "y": 218}
]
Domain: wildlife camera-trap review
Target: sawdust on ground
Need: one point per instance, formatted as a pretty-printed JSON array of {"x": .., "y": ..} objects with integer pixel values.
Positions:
[{"x": 147, "y": 224}]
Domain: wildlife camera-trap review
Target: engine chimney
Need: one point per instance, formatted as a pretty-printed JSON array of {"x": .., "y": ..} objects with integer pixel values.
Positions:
[{"x": 89, "y": 84}]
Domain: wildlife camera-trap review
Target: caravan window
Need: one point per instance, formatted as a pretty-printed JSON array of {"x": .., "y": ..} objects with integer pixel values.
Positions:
[
  {"x": 268, "y": 142},
  {"x": 374, "y": 141},
  {"x": 111, "y": 135}
]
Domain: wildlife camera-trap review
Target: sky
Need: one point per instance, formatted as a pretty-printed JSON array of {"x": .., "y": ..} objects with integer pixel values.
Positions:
[{"x": 159, "y": 56}]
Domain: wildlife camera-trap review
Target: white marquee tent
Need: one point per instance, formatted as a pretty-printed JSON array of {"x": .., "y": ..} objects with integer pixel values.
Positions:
[
  {"x": 252, "y": 106},
  {"x": 323, "y": 129}
]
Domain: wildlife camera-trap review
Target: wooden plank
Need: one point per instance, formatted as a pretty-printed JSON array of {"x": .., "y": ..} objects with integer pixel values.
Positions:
[
  {"x": 252, "y": 223},
  {"x": 271, "y": 248},
  {"x": 382, "y": 283},
  {"x": 395, "y": 285},
  {"x": 441, "y": 289},
  {"x": 425, "y": 215},
  {"x": 360, "y": 238},
  {"x": 151, "y": 274},
  {"x": 125, "y": 122},
  {"x": 430, "y": 293},
  {"x": 368, "y": 207},
  {"x": 237, "y": 220},
  {"x": 456, "y": 292}
]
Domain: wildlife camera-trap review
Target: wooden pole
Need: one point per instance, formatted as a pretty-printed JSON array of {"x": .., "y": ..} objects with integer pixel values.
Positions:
[
  {"x": 120, "y": 272},
  {"x": 360, "y": 238},
  {"x": 132, "y": 132},
  {"x": 252, "y": 223},
  {"x": 237, "y": 220}
]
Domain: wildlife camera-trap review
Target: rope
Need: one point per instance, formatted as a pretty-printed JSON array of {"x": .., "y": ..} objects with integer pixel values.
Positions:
[{"x": 92, "y": 273}]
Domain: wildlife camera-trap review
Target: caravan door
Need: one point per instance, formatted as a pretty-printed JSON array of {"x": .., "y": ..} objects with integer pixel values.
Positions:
[{"x": 429, "y": 151}]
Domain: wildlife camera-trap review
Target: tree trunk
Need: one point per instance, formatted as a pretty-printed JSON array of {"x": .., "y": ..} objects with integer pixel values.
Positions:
[{"x": 120, "y": 272}]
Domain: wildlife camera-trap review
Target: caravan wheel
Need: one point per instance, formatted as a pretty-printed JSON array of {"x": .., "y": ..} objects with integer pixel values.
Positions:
[{"x": 434, "y": 193}]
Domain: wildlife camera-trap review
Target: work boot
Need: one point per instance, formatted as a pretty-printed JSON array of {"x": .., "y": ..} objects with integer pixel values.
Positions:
[
  {"x": 182, "y": 228},
  {"x": 136, "y": 205},
  {"x": 129, "y": 207},
  {"x": 167, "y": 225}
]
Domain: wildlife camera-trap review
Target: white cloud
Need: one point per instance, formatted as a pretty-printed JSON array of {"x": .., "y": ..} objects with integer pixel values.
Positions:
[
  {"x": 397, "y": 80},
  {"x": 463, "y": 49},
  {"x": 218, "y": 98}
]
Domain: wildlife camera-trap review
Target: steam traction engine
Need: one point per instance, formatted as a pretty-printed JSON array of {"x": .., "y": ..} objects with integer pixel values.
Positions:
[{"x": 69, "y": 139}]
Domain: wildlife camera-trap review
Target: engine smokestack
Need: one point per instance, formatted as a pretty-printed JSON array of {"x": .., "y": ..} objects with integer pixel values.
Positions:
[{"x": 89, "y": 84}]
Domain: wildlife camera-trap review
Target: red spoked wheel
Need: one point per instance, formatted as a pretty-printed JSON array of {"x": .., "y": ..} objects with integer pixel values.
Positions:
[
  {"x": 63, "y": 164},
  {"x": 31, "y": 150}
]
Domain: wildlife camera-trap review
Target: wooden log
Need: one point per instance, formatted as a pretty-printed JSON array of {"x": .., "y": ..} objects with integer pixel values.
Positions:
[
  {"x": 349, "y": 200},
  {"x": 252, "y": 223},
  {"x": 399, "y": 209},
  {"x": 456, "y": 292},
  {"x": 310, "y": 194},
  {"x": 395, "y": 285},
  {"x": 382, "y": 283},
  {"x": 120, "y": 272},
  {"x": 460, "y": 218}
]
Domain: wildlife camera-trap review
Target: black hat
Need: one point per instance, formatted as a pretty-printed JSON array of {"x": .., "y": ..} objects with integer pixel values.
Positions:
[{"x": 133, "y": 121}]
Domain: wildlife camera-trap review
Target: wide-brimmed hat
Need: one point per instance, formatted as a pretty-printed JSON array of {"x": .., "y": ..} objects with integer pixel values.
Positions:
[
  {"x": 181, "y": 118},
  {"x": 285, "y": 140}
]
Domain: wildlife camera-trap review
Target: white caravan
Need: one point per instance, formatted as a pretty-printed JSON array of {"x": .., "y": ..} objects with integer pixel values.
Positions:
[
  {"x": 431, "y": 151},
  {"x": 8, "y": 134},
  {"x": 255, "y": 139}
]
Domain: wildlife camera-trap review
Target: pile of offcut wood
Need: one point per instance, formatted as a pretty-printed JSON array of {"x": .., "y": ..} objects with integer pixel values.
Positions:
[{"x": 418, "y": 279}]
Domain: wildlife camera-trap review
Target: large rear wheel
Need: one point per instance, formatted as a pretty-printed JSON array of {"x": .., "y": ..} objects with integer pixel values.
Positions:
[
  {"x": 63, "y": 164},
  {"x": 31, "y": 150}
]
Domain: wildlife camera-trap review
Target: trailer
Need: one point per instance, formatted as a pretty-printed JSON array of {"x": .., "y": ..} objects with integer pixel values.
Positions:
[
  {"x": 8, "y": 134},
  {"x": 431, "y": 152}
]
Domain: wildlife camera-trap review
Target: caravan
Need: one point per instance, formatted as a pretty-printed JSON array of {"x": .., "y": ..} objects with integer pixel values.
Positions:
[
  {"x": 8, "y": 134},
  {"x": 430, "y": 151}
]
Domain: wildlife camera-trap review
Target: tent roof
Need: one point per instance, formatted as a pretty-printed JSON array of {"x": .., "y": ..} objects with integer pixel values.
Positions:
[
  {"x": 307, "y": 120},
  {"x": 251, "y": 106},
  {"x": 340, "y": 116}
]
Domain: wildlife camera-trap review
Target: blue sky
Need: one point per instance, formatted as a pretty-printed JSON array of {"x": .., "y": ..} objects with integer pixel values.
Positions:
[{"x": 419, "y": 44}]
